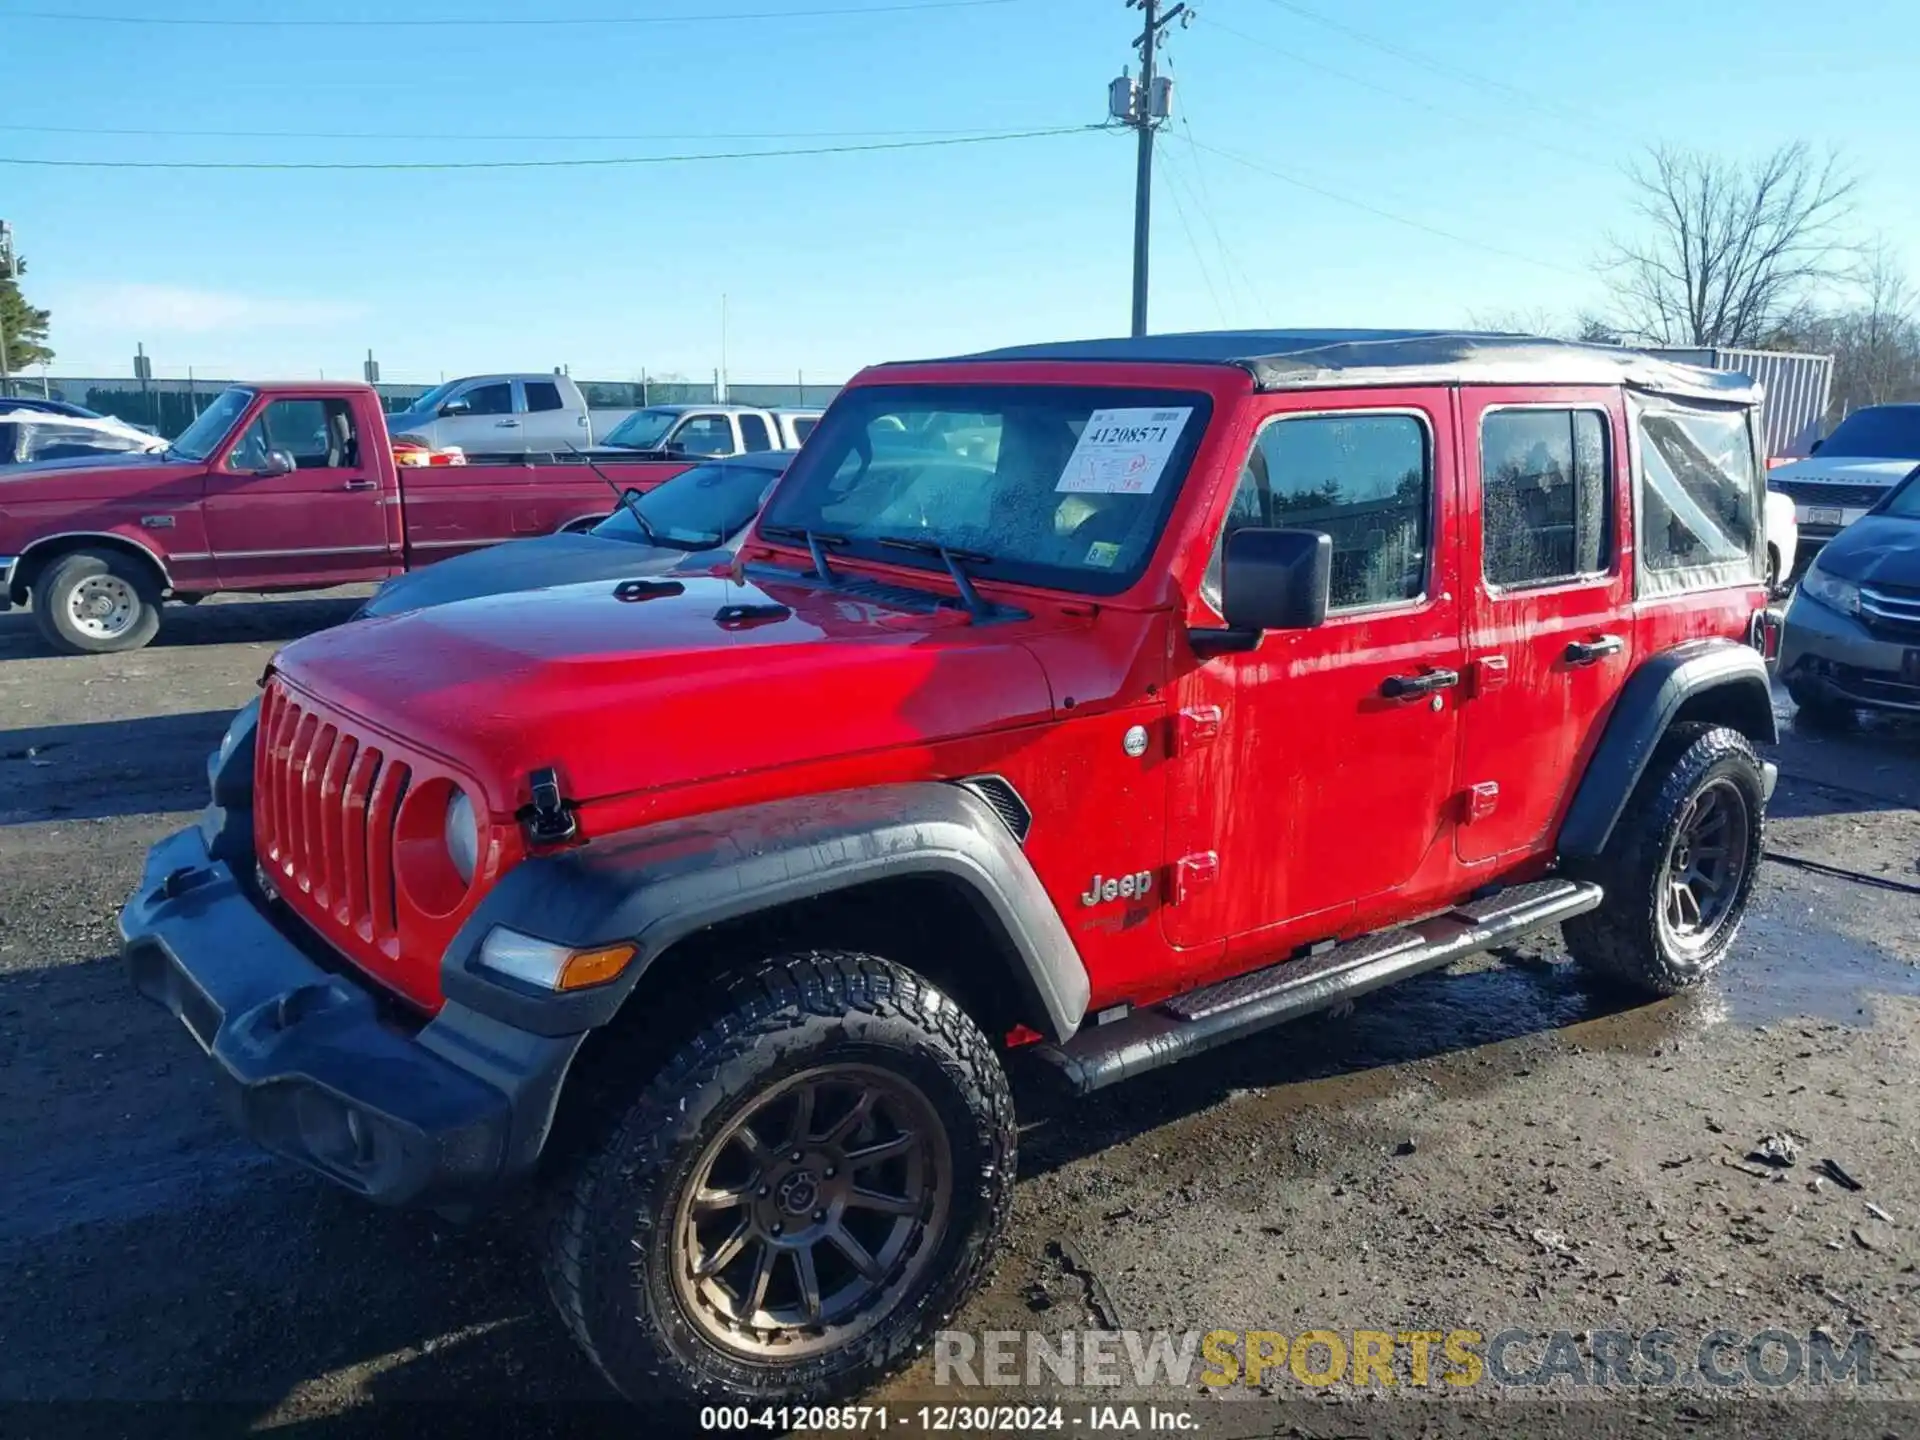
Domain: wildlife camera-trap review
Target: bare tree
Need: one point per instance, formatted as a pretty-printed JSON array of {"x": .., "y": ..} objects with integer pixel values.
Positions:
[
  {"x": 1730, "y": 252},
  {"x": 1595, "y": 329},
  {"x": 1875, "y": 342}
]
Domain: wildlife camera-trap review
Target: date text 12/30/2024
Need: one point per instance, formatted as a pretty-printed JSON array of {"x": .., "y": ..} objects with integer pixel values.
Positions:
[{"x": 947, "y": 1419}]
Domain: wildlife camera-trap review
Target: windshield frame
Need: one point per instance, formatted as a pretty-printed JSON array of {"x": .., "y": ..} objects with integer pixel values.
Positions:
[
  {"x": 817, "y": 460},
  {"x": 176, "y": 451},
  {"x": 428, "y": 400}
]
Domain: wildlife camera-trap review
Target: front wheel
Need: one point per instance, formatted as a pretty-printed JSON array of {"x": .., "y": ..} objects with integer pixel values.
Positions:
[
  {"x": 787, "y": 1211},
  {"x": 1680, "y": 866},
  {"x": 96, "y": 602}
]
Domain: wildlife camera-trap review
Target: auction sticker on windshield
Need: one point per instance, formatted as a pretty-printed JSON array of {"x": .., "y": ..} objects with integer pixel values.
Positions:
[{"x": 1123, "y": 452}]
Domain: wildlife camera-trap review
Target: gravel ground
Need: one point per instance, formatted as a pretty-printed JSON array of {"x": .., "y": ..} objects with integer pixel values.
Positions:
[{"x": 1496, "y": 1146}]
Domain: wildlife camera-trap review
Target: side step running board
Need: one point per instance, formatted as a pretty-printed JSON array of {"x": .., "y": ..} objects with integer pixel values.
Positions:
[{"x": 1217, "y": 1014}]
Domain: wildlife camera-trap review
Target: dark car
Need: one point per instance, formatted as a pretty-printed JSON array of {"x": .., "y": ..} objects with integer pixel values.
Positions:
[
  {"x": 1852, "y": 634},
  {"x": 47, "y": 406},
  {"x": 691, "y": 522}
]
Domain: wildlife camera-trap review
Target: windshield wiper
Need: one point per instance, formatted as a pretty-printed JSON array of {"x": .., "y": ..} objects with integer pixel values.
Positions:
[
  {"x": 817, "y": 541},
  {"x": 628, "y": 500},
  {"x": 955, "y": 560}
]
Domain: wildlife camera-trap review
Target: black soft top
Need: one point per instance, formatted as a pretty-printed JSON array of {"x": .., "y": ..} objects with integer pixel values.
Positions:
[{"x": 1317, "y": 359}]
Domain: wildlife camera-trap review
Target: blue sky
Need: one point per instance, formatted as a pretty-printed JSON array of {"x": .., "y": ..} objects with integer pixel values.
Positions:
[{"x": 1499, "y": 122}]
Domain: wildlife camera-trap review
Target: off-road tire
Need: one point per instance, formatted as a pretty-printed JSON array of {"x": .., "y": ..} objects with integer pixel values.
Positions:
[
  {"x": 609, "y": 1237},
  {"x": 1819, "y": 712},
  {"x": 53, "y": 588},
  {"x": 1623, "y": 941}
]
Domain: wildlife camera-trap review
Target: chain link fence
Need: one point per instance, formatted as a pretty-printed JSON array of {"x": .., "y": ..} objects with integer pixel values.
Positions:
[{"x": 167, "y": 406}]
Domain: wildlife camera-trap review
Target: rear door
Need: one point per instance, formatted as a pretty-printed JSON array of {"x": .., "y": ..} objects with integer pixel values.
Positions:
[
  {"x": 324, "y": 522},
  {"x": 548, "y": 426},
  {"x": 756, "y": 433},
  {"x": 1549, "y": 643}
]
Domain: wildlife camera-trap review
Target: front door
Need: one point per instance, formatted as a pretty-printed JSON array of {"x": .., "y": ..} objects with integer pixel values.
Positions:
[
  {"x": 324, "y": 522},
  {"x": 705, "y": 435},
  {"x": 1548, "y": 649},
  {"x": 1316, "y": 770},
  {"x": 481, "y": 421}
]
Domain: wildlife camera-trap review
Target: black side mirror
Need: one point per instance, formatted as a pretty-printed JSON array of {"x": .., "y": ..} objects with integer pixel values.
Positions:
[
  {"x": 1269, "y": 580},
  {"x": 278, "y": 462},
  {"x": 1814, "y": 449}
]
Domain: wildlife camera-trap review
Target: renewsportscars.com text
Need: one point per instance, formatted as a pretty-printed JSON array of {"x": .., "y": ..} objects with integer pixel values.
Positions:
[{"x": 1416, "y": 1359}]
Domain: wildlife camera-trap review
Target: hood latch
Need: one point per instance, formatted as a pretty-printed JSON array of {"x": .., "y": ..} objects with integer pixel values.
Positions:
[{"x": 549, "y": 820}]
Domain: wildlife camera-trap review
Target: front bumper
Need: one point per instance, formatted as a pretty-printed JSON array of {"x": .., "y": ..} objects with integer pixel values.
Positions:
[
  {"x": 315, "y": 1066},
  {"x": 1835, "y": 657},
  {"x": 8, "y": 564}
]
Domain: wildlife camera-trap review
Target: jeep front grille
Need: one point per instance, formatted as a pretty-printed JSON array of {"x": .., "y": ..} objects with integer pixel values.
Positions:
[{"x": 324, "y": 809}]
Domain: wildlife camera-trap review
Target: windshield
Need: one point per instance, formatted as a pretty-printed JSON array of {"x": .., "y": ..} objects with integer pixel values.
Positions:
[
  {"x": 429, "y": 401},
  {"x": 203, "y": 436},
  {"x": 642, "y": 430},
  {"x": 1066, "y": 486},
  {"x": 696, "y": 509},
  {"x": 1905, "y": 499},
  {"x": 1879, "y": 432}
]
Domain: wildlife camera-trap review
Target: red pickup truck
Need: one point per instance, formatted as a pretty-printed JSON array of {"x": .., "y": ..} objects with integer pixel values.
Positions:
[{"x": 275, "y": 487}]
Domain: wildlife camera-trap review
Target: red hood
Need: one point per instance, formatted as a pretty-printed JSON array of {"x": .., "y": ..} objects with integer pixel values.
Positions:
[
  {"x": 93, "y": 479},
  {"x": 625, "y": 696}
]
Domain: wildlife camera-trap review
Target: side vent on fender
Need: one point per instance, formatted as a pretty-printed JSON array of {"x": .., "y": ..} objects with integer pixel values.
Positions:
[{"x": 1005, "y": 800}]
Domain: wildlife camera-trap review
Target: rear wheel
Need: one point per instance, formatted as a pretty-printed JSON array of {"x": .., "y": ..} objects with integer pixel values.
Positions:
[
  {"x": 96, "y": 601},
  {"x": 1680, "y": 866},
  {"x": 807, "y": 1190}
]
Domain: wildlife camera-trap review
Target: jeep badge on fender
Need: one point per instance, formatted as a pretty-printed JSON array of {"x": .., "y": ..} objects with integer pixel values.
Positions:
[
  {"x": 1117, "y": 887},
  {"x": 823, "y": 861}
]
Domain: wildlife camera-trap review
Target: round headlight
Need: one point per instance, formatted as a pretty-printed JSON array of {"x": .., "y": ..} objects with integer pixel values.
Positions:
[{"x": 463, "y": 835}]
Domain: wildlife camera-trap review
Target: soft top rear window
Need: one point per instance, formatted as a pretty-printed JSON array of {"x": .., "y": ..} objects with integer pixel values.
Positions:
[{"x": 1064, "y": 486}]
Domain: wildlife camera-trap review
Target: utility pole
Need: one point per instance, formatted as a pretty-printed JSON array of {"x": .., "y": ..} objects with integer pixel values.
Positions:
[
  {"x": 1142, "y": 106},
  {"x": 9, "y": 269}
]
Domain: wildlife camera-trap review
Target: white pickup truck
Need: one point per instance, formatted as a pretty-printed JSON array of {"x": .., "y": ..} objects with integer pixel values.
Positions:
[{"x": 509, "y": 416}]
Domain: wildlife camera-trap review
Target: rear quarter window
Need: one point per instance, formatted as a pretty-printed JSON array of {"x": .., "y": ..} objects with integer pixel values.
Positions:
[{"x": 1699, "y": 497}]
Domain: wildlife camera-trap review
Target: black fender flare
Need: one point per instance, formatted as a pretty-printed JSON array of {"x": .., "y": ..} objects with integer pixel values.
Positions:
[
  {"x": 1729, "y": 675},
  {"x": 658, "y": 884}
]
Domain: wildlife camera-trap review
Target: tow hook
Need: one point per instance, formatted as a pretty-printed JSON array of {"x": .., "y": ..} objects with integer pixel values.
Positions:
[{"x": 549, "y": 820}]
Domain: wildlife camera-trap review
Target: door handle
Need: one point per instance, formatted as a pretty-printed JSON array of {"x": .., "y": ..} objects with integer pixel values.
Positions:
[
  {"x": 1588, "y": 652},
  {"x": 361, "y": 485},
  {"x": 506, "y": 424},
  {"x": 1412, "y": 687}
]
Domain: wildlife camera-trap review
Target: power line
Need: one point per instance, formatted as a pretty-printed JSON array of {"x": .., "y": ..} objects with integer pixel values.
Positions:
[
  {"x": 1229, "y": 260},
  {"x": 445, "y": 137},
  {"x": 1428, "y": 62},
  {"x": 544, "y": 164},
  {"x": 1401, "y": 95},
  {"x": 1376, "y": 210},
  {"x": 468, "y": 22},
  {"x": 1199, "y": 260}
]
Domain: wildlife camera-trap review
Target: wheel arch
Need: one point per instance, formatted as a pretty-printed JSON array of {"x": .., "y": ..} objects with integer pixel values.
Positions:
[
  {"x": 36, "y": 557},
  {"x": 1711, "y": 682},
  {"x": 925, "y": 874}
]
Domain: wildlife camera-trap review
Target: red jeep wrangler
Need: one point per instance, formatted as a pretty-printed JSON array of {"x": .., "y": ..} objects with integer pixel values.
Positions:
[{"x": 1115, "y": 699}]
